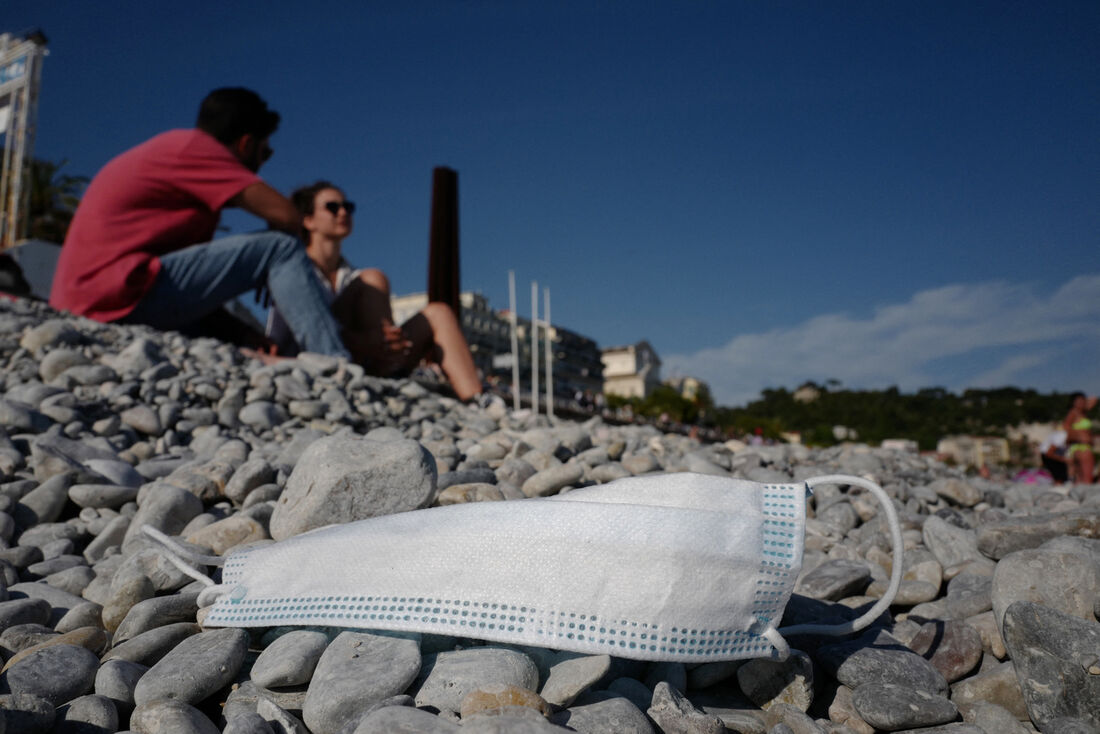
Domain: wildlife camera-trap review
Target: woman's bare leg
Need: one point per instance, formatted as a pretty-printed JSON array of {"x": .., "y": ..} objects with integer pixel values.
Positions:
[
  {"x": 363, "y": 310},
  {"x": 437, "y": 336}
]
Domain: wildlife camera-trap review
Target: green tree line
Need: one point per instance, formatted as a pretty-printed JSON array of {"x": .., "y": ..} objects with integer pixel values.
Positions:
[{"x": 925, "y": 416}]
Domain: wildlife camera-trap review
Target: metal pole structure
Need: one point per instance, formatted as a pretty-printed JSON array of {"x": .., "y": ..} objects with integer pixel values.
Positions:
[
  {"x": 20, "y": 78},
  {"x": 535, "y": 347},
  {"x": 549, "y": 355},
  {"x": 515, "y": 338},
  {"x": 443, "y": 261}
]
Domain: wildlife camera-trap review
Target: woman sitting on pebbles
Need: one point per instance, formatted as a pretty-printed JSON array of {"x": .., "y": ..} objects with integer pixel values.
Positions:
[{"x": 360, "y": 301}]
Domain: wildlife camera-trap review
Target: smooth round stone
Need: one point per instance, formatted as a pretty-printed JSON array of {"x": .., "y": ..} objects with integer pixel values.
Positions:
[
  {"x": 228, "y": 533},
  {"x": 290, "y": 660},
  {"x": 953, "y": 647},
  {"x": 612, "y": 716},
  {"x": 57, "y": 361},
  {"x": 57, "y": 673},
  {"x": 356, "y": 670},
  {"x": 996, "y": 685},
  {"x": 514, "y": 471},
  {"x": 969, "y": 594},
  {"x": 572, "y": 677},
  {"x": 989, "y": 717},
  {"x": 45, "y": 502},
  {"x": 195, "y": 668},
  {"x": 767, "y": 682},
  {"x": 23, "y": 611},
  {"x": 26, "y": 713},
  {"x": 835, "y": 579},
  {"x": 170, "y": 716},
  {"x": 640, "y": 464},
  {"x": 51, "y": 333},
  {"x": 671, "y": 711},
  {"x": 142, "y": 419},
  {"x": 149, "y": 647},
  {"x": 859, "y": 665},
  {"x": 124, "y": 595},
  {"x": 156, "y": 612},
  {"x": 73, "y": 580},
  {"x": 262, "y": 415},
  {"x": 89, "y": 714},
  {"x": 552, "y": 480},
  {"x": 165, "y": 508},
  {"x": 23, "y": 636},
  {"x": 950, "y": 545},
  {"x": 462, "y": 493},
  {"x": 451, "y": 676},
  {"x": 90, "y": 638},
  {"x": 102, "y": 495},
  {"x": 449, "y": 479},
  {"x": 248, "y": 476},
  {"x": 891, "y": 706},
  {"x": 1057, "y": 662},
  {"x": 605, "y": 473},
  {"x": 393, "y": 719},
  {"x": 957, "y": 492},
  {"x": 247, "y": 723},
  {"x": 116, "y": 680},
  {"x": 1066, "y": 582}
]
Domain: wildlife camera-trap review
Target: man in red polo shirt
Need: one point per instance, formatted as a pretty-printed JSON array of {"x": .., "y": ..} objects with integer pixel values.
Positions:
[{"x": 140, "y": 248}]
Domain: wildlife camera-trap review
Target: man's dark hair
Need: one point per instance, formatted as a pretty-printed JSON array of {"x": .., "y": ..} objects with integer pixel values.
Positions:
[
  {"x": 1073, "y": 398},
  {"x": 231, "y": 112},
  {"x": 303, "y": 197}
]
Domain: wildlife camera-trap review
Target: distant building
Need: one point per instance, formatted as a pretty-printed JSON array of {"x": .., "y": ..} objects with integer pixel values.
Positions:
[
  {"x": 632, "y": 371},
  {"x": 806, "y": 393},
  {"x": 688, "y": 387},
  {"x": 576, "y": 365},
  {"x": 900, "y": 444},
  {"x": 976, "y": 451},
  {"x": 486, "y": 332}
]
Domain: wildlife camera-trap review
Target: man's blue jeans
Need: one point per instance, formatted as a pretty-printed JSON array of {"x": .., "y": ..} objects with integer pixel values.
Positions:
[{"x": 196, "y": 280}]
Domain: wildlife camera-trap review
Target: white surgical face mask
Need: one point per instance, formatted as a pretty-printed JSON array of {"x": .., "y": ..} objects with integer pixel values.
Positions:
[{"x": 684, "y": 567}]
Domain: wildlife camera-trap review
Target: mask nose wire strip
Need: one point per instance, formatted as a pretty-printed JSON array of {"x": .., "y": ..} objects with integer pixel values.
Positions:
[
  {"x": 887, "y": 599},
  {"x": 173, "y": 551}
]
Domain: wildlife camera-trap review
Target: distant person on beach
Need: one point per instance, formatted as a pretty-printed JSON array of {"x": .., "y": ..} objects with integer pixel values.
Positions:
[
  {"x": 1052, "y": 454},
  {"x": 1078, "y": 427},
  {"x": 360, "y": 301},
  {"x": 141, "y": 250}
]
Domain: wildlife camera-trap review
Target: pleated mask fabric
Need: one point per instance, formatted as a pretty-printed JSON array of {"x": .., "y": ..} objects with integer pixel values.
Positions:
[{"x": 677, "y": 567}]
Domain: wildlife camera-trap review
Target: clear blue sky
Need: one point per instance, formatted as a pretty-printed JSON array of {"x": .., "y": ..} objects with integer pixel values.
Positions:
[{"x": 769, "y": 192}]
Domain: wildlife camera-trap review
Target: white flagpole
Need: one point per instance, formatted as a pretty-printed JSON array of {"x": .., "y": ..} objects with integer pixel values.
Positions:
[
  {"x": 549, "y": 356},
  {"x": 515, "y": 338},
  {"x": 535, "y": 347}
]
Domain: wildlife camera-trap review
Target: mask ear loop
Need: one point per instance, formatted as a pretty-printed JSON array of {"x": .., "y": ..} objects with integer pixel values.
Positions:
[
  {"x": 174, "y": 552},
  {"x": 887, "y": 599}
]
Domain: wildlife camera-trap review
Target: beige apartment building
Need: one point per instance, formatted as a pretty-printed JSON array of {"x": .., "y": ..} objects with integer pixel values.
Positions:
[{"x": 631, "y": 371}]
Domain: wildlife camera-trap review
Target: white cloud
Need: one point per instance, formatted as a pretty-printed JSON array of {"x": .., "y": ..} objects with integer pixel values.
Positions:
[{"x": 908, "y": 344}]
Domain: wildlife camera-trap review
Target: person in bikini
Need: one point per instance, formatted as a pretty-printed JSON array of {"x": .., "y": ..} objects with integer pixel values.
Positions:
[
  {"x": 360, "y": 301},
  {"x": 1078, "y": 427}
]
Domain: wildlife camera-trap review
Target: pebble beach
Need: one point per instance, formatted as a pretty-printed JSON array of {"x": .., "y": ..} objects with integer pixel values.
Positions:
[{"x": 106, "y": 429}]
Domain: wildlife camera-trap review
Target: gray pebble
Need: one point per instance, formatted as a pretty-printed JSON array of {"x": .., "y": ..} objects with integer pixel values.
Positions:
[
  {"x": 892, "y": 706},
  {"x": 195, "y": 668},
  {"x": 448, "y": 677},
  {"x": 170, "y": 716},
  {"x": 289, "y": 660},
  {"x": 89, "y": 714},
  {"x": 58, "y": 673},
  {"x": 356, "y": 670}
]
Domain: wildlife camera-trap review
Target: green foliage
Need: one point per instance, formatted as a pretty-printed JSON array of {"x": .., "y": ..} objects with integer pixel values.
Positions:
[
  {"x": 925, "y": 416},
  {"x": 53, "y": 199}
]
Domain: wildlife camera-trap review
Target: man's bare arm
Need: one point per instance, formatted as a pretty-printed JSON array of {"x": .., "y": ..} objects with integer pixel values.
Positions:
[{"x": 271, "y": 206}]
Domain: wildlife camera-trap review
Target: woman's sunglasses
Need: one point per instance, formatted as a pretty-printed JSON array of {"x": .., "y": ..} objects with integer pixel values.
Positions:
[{"x": 336, "y": 206}]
